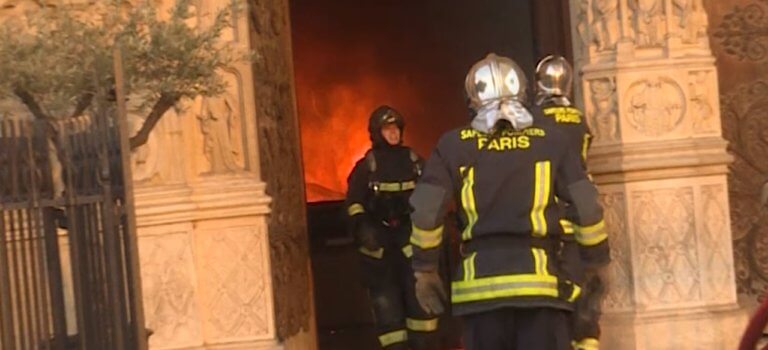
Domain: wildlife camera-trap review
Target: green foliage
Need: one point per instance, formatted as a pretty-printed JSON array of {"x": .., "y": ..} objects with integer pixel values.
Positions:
[{"x": 62, "y": 57}]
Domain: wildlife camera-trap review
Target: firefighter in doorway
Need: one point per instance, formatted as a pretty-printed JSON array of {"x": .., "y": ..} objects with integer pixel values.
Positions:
[
  {"x": 582, "y": 255},
  {"x": 505, "y": 174},
  {"x": 377, "y": 205}
]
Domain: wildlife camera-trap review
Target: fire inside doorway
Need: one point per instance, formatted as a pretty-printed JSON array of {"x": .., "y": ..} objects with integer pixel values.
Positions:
[{"x": 352, "y": 56}]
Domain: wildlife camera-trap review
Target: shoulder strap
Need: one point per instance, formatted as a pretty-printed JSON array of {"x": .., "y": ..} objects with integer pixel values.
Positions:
[
  {"x": 370, "y": 159},
  {"x": 415, "y": 159}
]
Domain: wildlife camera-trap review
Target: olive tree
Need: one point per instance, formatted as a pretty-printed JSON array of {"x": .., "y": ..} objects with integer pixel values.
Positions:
[{"x": 59, "y": 60}]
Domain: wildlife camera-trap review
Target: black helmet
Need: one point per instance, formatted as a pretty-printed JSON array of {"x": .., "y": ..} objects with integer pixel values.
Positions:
[{"x": 381, "y": 116}]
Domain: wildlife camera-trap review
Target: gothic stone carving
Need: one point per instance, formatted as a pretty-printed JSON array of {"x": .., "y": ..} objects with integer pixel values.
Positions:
[
  {"x": 605, "y": 24},
  {"x": 716, "y": 261},
  {"x": 620, "y": 289},
  {"x": 665, "y": 240},
  {"x": 604, "y": 117},
  {"x": 221, "y": 124},
  {"x": 701, "y": 101},
  {"x": 233, "y": 264},
  {"x": 582, "y": 28},
  {"x": 656, "y": 106},
  {"x": 690, "y": 20},
  {"x": 156, "y": 162},
  {"x": 169, "y": 289},
  {"x": 743, "y": 33},
  {"x": 648, "y": 21}
]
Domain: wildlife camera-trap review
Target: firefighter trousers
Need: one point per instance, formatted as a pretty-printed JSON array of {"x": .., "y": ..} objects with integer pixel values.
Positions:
[
  {"x": 539, "y": 328},
  {"x": 400, "y": 321}
]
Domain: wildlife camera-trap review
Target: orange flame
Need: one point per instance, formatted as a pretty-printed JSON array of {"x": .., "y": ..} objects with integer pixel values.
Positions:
[{"x": 333, "y": 112}]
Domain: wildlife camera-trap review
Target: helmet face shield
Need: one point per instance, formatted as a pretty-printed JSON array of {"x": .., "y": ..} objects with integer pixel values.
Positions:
[
  {"x": 495, "y": 78},
  {"x": 554, "y": 77},
  {"x": 496, "y": 88}
]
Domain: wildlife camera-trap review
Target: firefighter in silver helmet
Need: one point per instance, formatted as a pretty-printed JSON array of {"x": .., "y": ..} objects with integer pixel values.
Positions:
[
  {"x": 503, "y": 173},
  {"x": 377, "y": 206},
  {"x": 582, "y": 256}
]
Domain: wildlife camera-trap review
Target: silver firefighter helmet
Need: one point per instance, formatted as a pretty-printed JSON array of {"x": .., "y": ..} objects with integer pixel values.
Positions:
[
  {"x": 554, "y": 80},
  {"x": 496, "y": 89}
]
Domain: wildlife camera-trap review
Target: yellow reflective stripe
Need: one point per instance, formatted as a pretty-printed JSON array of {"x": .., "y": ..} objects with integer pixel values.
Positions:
[
  {"x": 408, "y": 251},
  {"x": 503, "y": 286},
  {"x": 395, "y": 186},
  {"x": 426, "y": 239},
  {"x": 469, "y": 267},
  {"x": 591, "y": 235},
  {"x": 355, "y": 208},
  {"x": 585, "y": 147},
  {"x": 468, "y": 201},
  {"x": 378, "y": 254},
  {"x": 540, "y": 261},
  {"x": 586, "y": 344},
  {"x": 421, "y": 325},
  {"x": 575, "y": 293},
  {"x": 567, "y": 227},
  {"x": 390, "y": 338},
  {"x": 540, "y": 198}
]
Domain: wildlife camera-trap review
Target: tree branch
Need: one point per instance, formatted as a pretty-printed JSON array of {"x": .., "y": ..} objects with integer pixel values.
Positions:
[
  {"x": 82, "y": 104},
  {"x": 165, "y": 102},
  {"x": 31, "y": 104}
]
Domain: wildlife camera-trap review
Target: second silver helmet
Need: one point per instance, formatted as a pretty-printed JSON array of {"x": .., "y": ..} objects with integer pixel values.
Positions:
[{"x": 554, "y": 78}]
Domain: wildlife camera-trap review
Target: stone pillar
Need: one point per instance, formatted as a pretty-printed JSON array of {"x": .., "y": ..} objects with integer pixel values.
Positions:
[
  {"x": 202, "y": 215},
  {"x": 649, "y": 88}
]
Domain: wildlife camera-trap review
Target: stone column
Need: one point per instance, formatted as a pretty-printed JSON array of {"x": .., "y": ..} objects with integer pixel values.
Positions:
[
  {"x": 649, "y": 88},
  {"x": 202, "y": 215}
]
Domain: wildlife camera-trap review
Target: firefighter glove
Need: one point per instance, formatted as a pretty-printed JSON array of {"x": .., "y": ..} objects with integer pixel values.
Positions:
[
  {"x": 366, "y": 236},
  {"x": 430, "y": 292}
]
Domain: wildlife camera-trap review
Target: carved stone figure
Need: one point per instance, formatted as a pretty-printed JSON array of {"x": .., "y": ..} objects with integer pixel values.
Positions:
[
  {"x": 604, "y": 119},
  {"x": 144, "y": 158},
  {"x": 698, "y": 92},
  {"x": 656, "y": 106},
  {"x": 605, "y": 24},
  {"x": 648, "y": 21},
  {"x": 220, "y": 124},
  {"x": 582, "y": 25},
  {"x": 691, "y": 19}
]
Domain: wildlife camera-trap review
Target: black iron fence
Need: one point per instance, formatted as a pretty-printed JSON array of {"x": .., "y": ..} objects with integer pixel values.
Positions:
[{"x": 67, "y": 272}]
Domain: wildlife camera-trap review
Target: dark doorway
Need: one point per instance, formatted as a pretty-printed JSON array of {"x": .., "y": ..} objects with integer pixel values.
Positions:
[{"x": 352, "y": 56}]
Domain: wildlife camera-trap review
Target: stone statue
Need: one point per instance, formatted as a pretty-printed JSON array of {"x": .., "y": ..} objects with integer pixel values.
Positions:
[
  {"x": 648, "y": 19},
  {"x": 144, "y": 160},
  {"x": 605, "y": 25},
  {"x": 582, "y": 24},
  {"x": 221, "y": 127},
  {"x": 703, "y": 112},
  {"x": 691, "y": 19},
  {"x": 604, "y": 119}
]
